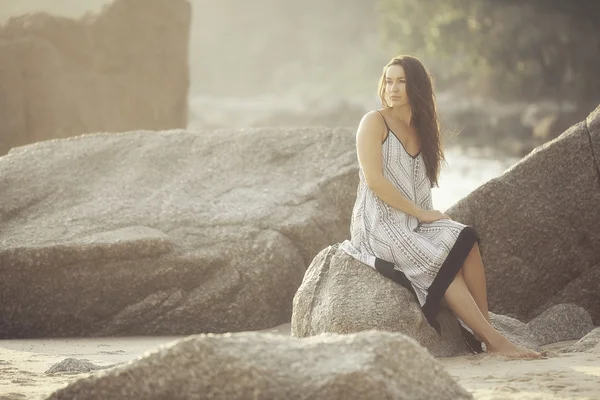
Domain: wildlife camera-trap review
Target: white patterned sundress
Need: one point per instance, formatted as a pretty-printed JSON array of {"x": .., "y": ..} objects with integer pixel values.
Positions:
[{"x": 425, "y": 257}]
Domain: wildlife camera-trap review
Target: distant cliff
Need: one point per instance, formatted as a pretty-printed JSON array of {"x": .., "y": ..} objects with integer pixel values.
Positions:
[{"x": 125, "y": 68}]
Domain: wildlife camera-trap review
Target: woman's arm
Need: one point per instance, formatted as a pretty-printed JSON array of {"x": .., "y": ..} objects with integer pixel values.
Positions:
[{"x": 370, "y": 135}]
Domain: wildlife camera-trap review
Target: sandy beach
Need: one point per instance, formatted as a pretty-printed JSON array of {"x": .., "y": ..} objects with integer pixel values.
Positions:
[
  {"x": 23, "y": 362},
  {"x": 561, "y": 376}
]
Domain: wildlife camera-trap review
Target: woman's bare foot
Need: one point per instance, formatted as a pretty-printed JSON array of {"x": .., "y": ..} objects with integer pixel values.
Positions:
[{"x": 510, "y": 350}]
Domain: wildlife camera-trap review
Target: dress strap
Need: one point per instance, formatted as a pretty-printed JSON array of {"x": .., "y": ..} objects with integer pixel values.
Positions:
[{"x": 387, "y": 133}]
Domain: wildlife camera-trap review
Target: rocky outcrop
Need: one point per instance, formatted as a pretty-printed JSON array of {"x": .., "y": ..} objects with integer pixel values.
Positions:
[
  {"x": 557, "y": 324},
  {"x": 123, "y": 69},
  {"x": 588, "y": 343},
  {"x": 369, "y": 365},
  {"x": 341, "y": 295},
  {"x": 561, "y": 322},
  {"x": 539, "y": 226},
  {"x": 149, "y": 233}
]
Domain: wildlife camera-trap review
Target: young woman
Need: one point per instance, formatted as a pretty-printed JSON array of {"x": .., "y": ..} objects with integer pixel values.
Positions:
[{"x": 395, "y": 228}]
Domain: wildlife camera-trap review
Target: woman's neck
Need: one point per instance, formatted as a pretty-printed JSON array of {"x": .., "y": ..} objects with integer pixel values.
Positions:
[{"x": 402, "y": 113}]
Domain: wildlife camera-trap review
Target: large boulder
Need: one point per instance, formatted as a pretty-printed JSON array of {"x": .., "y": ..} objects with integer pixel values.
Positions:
[
  {"x": 167, "y": 232},
  {"x": 538, "y": 225},
  {"x": 123, "y": 69},
  {"x": 370, "y": 365},
  {"x": 341, "y": 295}
]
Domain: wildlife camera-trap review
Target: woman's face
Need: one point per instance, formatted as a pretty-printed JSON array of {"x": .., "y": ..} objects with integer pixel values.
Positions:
[{"x": 395, "y": 86}]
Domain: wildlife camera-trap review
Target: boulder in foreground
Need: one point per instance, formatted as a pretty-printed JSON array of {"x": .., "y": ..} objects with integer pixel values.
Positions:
[{"x": 365, "y": 366}]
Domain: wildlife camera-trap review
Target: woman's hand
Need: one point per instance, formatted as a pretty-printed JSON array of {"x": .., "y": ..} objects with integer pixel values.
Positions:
[{"x": 431, "y": 216}]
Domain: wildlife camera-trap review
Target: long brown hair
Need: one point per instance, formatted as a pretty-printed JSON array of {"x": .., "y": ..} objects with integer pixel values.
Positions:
[{"x": 419, "y": 89}]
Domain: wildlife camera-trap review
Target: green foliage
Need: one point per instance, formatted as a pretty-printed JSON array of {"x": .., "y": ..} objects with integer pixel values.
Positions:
[{"x": 524, "y": 49}]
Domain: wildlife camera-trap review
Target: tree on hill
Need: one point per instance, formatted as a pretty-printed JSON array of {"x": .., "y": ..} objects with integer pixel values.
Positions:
[{"x": 510, "y": 48}]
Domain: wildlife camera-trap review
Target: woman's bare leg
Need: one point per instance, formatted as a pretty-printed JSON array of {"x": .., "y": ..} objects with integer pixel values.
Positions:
[
  {"x": 474, "y": 276},
  {"x": 461, "y": 302}
]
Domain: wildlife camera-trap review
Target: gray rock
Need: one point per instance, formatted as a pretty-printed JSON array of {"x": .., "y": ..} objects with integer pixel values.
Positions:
[
  {"x": 588, "y": 343},
  {"x": 340, "y": 294},
  {"x": 557, "y": 324},
  {"x": 515, "y": 331},
  {"x": 161, "y": 233},
  {"x": 369, "y": 365},
  {"x": 75, "y": 366},
  {"x": 561, "y": 322},
  {"x": 539, "y": 226}
]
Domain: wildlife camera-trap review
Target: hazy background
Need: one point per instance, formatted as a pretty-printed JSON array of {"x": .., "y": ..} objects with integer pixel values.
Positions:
[
  {"x": 502, "y": 67},
  {"x": 510, "y": 74},
  {"x": 264, "y": 48}
]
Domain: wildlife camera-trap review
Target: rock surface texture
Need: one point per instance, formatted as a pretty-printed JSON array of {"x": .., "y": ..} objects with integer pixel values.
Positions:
[
  {"x": 538, "y": 224},
  {"x": 160, "y": 233},
  {"x": 75, "y": 366},
  {"x": 369, "y": 365},
  {"x": 341, "y": 295}
]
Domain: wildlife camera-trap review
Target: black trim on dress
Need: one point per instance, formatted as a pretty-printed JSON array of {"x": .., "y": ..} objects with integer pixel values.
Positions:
[
  {"x": 387, "y": 269},
  {"x": 387, "y": 135},
  {"x": 388, "y": 130},
  {"x": 453, "y": 263}
]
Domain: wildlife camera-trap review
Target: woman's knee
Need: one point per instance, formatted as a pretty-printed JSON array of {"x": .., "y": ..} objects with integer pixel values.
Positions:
[
  {"x": 474, "y": 254},
  {"x": 459, "y": 274}
]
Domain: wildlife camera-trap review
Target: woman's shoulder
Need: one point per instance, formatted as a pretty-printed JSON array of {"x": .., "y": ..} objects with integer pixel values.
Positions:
[
  {"x": 373, "y": 123},
  {"x": 376, "y": 113},
  {"x": 373, "y": 118}
]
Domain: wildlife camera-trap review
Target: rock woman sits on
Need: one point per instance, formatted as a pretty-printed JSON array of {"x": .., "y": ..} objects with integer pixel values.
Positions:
[{"x": 394, "y": 225}]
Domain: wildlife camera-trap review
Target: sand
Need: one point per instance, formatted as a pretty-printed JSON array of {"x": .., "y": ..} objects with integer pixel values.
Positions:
[
  {"x": 560, "y": 376},
  {"x": 23, "y": 362}
]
